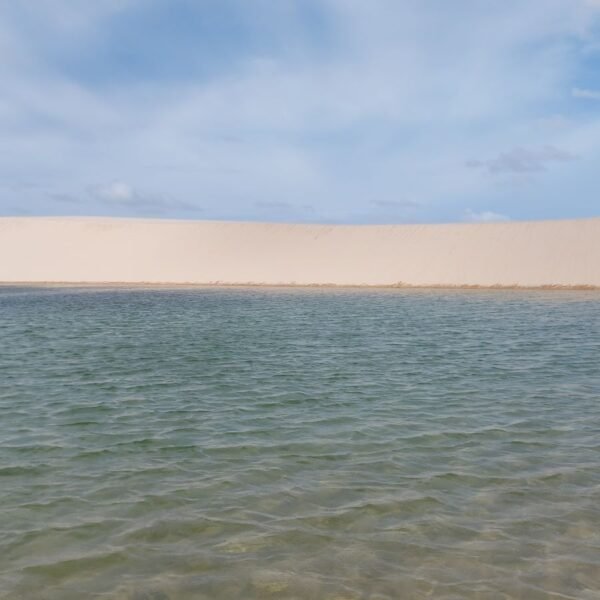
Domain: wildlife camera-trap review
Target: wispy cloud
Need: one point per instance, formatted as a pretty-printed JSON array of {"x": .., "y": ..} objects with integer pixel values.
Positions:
[
  {"x": 486, "y": 216},
  {"x": 119, "y": 193},
  {"x": 276, "y": 204},
  {"x": 522, "y": 160},
  {"x": 586, "y": 94},
  {"x": 395, "y": 204},
  {"x": 281, "y": 210}
]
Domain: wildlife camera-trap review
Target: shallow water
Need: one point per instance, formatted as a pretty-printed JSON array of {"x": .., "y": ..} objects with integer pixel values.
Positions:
[{"x": 301, "y": 444}]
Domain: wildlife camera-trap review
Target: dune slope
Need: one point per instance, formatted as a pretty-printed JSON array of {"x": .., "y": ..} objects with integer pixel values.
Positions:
[{"x": 102, "y": 250}]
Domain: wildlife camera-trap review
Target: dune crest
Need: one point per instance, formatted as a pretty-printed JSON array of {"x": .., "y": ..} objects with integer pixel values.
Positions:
[{"x": 545, "y": 254}]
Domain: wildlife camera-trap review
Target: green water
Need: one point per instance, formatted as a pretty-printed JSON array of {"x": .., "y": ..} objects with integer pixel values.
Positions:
[{"x": 337, "y": 445}]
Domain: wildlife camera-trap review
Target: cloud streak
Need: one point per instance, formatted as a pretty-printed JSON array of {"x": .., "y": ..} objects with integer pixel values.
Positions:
[
  {"x": 522, "y": 161},
  {"x": 586, "y": 94}
]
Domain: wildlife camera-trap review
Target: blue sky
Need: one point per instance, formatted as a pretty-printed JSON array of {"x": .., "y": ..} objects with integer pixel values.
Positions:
[{"x": 386, "y": 111}]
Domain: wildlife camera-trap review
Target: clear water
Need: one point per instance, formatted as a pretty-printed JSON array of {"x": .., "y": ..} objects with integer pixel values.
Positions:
[{"x": 338, "y": 445}]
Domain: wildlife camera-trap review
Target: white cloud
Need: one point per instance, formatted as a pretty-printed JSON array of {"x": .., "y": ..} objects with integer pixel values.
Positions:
[
  {"x": 587, "y": 94},
  {"x": 121, "y": 194},
  {"x": 485, "y": 216},
  {"x": 118, "y": 192}
]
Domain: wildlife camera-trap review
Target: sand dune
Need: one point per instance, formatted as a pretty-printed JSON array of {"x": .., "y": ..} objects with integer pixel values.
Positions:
[{"x": 101, "y": 250}]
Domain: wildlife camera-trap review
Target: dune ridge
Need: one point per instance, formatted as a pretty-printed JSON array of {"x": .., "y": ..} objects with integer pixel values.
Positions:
[{"x": 98, "y": 250}]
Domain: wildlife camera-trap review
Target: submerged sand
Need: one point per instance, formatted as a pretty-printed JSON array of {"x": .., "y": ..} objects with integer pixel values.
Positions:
[{"x": 109, "y": 250}]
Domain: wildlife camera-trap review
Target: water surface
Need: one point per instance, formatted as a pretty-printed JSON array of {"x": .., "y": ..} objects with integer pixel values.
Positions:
[{"x": 303, "y": 444}]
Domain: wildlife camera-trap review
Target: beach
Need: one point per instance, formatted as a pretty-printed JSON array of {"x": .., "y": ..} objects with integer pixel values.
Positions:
[{"x": 562, "y": 254}]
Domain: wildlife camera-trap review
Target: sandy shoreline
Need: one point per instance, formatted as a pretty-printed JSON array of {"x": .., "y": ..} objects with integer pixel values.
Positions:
[
  {"x": 283, "y": 286},
  {"x": 106, "y": 251}
]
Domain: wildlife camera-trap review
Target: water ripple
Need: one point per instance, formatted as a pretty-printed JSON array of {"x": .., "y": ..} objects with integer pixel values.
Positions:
[{"x": 338, "y": 445}]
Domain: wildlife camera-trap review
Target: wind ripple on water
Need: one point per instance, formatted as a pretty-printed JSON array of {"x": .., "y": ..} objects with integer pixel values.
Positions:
[{"x": 179, "y": 444}]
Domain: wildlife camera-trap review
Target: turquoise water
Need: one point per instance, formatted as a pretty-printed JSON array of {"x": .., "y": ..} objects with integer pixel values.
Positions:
[{"x": 300, "y": 444}]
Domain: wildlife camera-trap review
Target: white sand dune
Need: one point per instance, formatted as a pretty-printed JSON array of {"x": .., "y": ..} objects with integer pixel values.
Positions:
[{"x": 103, "y": 250}]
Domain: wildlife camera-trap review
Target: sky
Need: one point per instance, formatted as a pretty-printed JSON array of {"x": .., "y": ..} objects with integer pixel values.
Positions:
[{"x": 332, "y": 111}]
